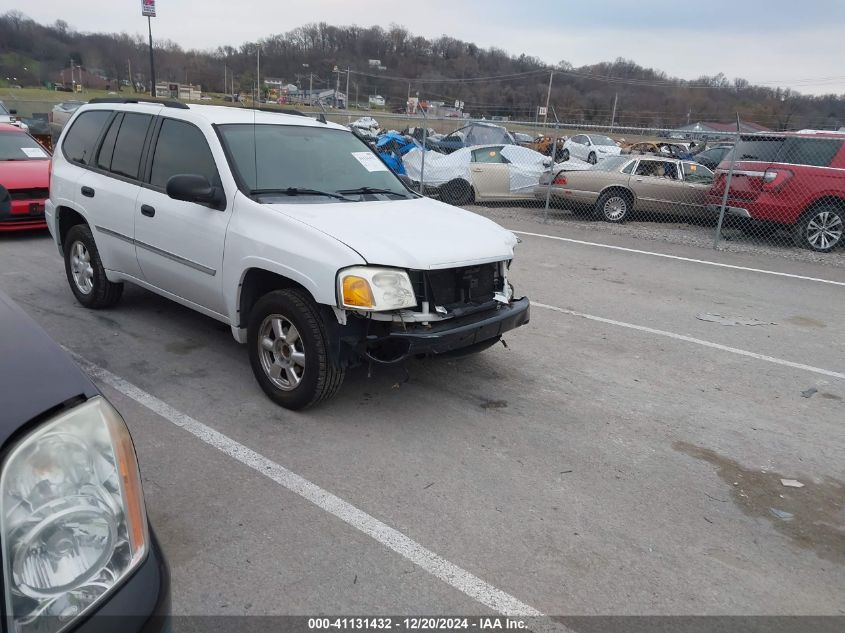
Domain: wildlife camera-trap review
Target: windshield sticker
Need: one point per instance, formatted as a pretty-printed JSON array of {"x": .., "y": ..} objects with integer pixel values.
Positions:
[
  {"x": 371, "y": 162},
  {"x": 34, "y": 152}
]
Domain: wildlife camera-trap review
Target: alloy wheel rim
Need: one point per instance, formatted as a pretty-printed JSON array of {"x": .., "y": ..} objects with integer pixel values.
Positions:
[
  {"x": 281, "y": 351},
  {"x": 81, "y": 269},
  {"x": 824, "y": 230},
  {"x": 615, "y": 208}
]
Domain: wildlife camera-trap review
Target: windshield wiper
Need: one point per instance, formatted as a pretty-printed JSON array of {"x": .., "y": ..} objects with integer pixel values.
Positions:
[
  {"x": 372, "y": 190},
  {"x": 296, "y": 191}
]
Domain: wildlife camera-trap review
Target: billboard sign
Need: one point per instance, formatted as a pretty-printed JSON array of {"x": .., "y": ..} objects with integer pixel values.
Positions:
[{"x": 148, "y": 8}]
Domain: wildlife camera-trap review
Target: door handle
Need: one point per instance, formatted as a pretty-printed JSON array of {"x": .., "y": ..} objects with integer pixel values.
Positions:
[
  {"x": 88, "y": 192},
  {"x": 147, "y": 210},
  {"x": 638, "y": 179},
  {"x": 478, "y": 169}
]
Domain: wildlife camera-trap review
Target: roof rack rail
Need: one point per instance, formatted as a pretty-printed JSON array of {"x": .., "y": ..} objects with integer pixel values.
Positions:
[
  {"x": 167, "y": 103},
  {"x": 280, "y": 111}
]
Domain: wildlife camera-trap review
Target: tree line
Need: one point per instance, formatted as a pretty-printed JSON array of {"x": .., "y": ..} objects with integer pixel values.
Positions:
[{"x": 443, "y": 69}]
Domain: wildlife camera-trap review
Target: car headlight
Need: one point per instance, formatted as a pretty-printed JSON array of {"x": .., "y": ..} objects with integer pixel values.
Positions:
[
  {"x": 375, "y": 289},
  {"x": 72, "y": 516}
]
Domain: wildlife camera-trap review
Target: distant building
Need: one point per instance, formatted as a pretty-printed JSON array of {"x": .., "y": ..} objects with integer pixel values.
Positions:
[{"x": 183, "y": 92}]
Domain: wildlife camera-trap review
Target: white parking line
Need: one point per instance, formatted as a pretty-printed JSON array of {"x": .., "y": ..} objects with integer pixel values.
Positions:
[
  {"x": 441, "y": 568},
  {"x": 697, "y": 341},
  {"x": 683, "y": 259}
]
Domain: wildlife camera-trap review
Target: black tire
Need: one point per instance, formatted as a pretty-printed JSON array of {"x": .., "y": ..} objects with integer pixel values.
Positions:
[
  {"x": 614, "y": 206},
  {"x": 102, "y": 293},
  {"x": 564, "y": 155},
  {"x": 457, "y": 192},
  {"x": 320, "y": 377},
  {"x": 592, "y": 158},
  {"x": 820, "y": 229}
]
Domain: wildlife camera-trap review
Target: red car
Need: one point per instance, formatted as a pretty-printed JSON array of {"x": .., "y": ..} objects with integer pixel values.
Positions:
[
  {"x": 25, "y": 172},
  {"x": 794, "y": 180}
]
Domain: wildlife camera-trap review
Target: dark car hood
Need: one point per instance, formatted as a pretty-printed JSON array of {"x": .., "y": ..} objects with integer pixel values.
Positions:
[{"x": 35, "y": 373}]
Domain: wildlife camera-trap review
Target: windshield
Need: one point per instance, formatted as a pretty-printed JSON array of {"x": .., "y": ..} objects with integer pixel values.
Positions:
[
  {"x": 21, "y": 146},
  {"x": 277, "y": 158},
  {"x": 611, "y": 163},
  {"x": 602, "y": 140}
]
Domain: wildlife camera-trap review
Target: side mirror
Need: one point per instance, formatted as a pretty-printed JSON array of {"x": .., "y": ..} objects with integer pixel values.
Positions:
[
  {"x": 194, "y": 188},
  {"x": 5, "y": 201}
]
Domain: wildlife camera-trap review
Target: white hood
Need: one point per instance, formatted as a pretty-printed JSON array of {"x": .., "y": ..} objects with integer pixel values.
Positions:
[{"x": 420, "y": 234}]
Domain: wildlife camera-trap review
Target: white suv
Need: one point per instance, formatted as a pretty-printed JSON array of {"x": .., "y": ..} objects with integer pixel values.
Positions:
[{"x": 290, "y": 230}]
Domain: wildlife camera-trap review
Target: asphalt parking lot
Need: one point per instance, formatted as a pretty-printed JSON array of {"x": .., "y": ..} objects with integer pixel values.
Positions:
[{"x": 621, "y": 456}]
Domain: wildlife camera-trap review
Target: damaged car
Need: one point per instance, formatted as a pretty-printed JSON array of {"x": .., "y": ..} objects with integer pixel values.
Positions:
[
  {"x": 478, "y": 133},
  {"x": 485, "y": 173},
  {"x": 289, "y": 230}
]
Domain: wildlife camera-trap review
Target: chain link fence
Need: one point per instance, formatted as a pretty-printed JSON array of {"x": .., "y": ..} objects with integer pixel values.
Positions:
[
  {"x": 733, "y": 188},
  {"x": 764, "y": 190}
]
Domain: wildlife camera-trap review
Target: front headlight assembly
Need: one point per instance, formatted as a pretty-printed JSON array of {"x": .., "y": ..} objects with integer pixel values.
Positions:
[
  {"x": 375, "y": 289},
  {"x": 72, "y": 517}
]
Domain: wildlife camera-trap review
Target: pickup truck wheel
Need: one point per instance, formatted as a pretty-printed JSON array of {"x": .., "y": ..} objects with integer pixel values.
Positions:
[
  {"x": 85, "y": 272},
  {"x": 821, "y": 229},
  {"x": 289, "y": 350}
]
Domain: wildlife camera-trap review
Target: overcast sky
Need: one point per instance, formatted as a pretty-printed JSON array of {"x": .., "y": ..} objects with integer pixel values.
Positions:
[{"x": 776, "y": 42}]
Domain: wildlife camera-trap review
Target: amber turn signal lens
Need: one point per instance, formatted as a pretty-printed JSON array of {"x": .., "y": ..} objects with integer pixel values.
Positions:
[{"x": 357, "y": 292}]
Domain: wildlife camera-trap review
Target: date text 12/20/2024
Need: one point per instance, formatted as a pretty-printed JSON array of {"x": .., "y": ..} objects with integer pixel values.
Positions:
[{"x": 416, "y": 623}]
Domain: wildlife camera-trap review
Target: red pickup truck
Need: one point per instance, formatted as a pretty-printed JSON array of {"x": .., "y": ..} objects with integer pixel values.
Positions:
[{"x": 789, "y": 179}]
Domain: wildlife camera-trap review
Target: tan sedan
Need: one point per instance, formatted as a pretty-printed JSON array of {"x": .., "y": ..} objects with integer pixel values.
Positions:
[{"x": 620, "y": 185}]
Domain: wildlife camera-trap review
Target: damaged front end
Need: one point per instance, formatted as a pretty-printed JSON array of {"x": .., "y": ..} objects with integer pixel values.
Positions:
[{"x": 458, "y": 311}]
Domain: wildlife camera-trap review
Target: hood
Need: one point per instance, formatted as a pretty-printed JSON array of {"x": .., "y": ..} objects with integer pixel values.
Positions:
[
  {"x": 609, "y": 149},
  {"x": 25, "y": 174},
  {"x": 421, "y": 234},
  {"x": 37, "y": 374}
]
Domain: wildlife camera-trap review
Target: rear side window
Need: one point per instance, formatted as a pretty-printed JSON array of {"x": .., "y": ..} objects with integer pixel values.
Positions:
[
  {"x": 181, "y": 149},
  {"x": 80, "y": 140},
  {"x": 107, "y": 148},
  {"x": 818, "y": 152},
  {"x": 129, "y": 144}
]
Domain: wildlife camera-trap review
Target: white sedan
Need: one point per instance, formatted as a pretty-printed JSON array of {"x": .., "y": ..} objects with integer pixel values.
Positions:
[
  {"x": 479, "y": 173},
  {"x": 590, "y": 147}
]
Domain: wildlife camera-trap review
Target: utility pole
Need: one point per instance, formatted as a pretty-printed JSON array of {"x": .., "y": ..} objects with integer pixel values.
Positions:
[
  {"x": 131, "y": 78},
  {"x": 347, "y": 88},
  {"x": 257, "y": 77},
  {"x": 613, "y": 116},
  {"x": 548, "y": 99},
  {"x": 225, "y": 79},
  {"x": 310, "y": 88},
  {"x": 152, "y": 59}
]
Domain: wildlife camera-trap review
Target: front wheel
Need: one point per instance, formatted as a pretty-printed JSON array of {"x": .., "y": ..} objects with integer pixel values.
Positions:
[
  {"x": 614, "y": 206},
  {"x": 592, "y": 158},
  {"x": 821, "y": 229},
  {"x": 85, "y": 272},
  {"x": 289, "y": 350},
  {"x": 456, "y": 192}
]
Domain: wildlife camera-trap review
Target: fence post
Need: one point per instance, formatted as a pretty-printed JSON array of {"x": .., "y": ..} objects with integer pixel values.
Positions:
[
  {"x": 422, "y": 163},
  {"x": 718, "y": 235},
  {"x": 549, "y": 188}
]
